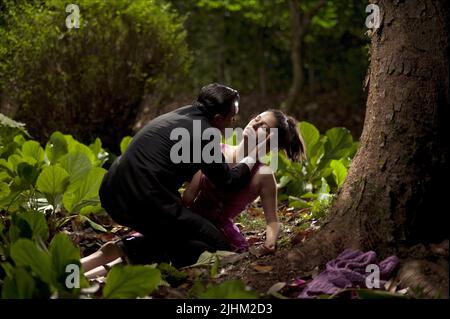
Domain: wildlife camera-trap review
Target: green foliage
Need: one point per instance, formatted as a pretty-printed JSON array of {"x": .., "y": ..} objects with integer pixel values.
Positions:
[
  {"x": 312, "y": 183},
  {"x": 248, "y": 44},
  {"x": 52, "y": 182},
  {"x": 39, "y": 188},
  {"x": 125, "y": 282},
  {"x": 65, "y": 176},
  {"x": 33, "y": 271},
  {"x": 124, "y": 143},
  {"x": 172, "y": 275},
  {"x": 92, "y": 78}
]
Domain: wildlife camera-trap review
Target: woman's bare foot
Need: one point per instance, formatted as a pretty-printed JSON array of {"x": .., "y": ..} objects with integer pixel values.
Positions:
[
  {"x": 101, "y": 271},
  {"x": 106, "y": 254}
]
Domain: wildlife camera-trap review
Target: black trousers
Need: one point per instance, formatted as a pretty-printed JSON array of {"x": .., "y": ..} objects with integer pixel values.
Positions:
[{"x": 178, "y": 239}]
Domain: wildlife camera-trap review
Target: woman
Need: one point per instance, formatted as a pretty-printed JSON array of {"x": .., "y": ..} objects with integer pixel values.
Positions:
[{"x": 221, "y": 208}]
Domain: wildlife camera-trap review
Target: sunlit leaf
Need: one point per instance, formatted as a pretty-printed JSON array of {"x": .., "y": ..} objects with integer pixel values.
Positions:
[
  {"x": 52, "y": 182},
  {"x": 56, "y": 147},
  {"x": 124, "y": 143},
  {"x": 339, "y": 172},
  {"x": 125, "y": 282},
  {"x": 26, "y": 253}
]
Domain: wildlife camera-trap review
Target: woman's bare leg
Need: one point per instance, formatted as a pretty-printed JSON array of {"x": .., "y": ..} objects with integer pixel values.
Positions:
[
  {"x": 106, "y": 254},
  {"x": 191, "y": 190}
]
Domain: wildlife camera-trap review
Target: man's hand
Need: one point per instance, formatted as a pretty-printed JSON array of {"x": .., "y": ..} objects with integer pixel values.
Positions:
[{"x": 263, "y": 147}]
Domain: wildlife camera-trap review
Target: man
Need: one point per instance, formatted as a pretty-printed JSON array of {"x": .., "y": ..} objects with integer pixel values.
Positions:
[{"x": 140, "y": 189}]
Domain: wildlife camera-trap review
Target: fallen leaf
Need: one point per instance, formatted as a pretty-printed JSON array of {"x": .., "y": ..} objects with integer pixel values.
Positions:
[
  {"x": 262, "y": 267},
  {"x": 276, "y": 288}
]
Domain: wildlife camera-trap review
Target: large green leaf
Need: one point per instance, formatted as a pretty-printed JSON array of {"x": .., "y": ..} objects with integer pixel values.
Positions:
[
  {"x": 4, "y": 190},
  {"x": 233, "y": 289},
  {"x": 124, "y": 143},
  {"x": 93, "y": 224},
  {"x": 20, "y": 286},
  {"x": 324, "y": 191},
  {"x": 74, "y": 146},
  {"x": 131, "y": 282},
  {"x": 77, "y": 164},
  {"x": 37, "y": 223},
  {"x": 339, "y": 143},
  {"x": 339, "y": 172},
  {"x": 63, "y": 253},
  {"x": 84, "y": 189},
  {"x": 19, "y": 228},
  {"x": 316, "y": 153},
  {"x": 310, "y": 136},
  {"x": 15, "y": 159},
  {"x": 56, "y": 147},
  {"x": 284, "y": 180},
  {"x": 26, "y": 253},
  {"x": 52, "y": 182},
  {"x": 34, "y": 150},
  {"x": 27, "y": 174},
  {"x": 6, "y": 166},
  {"x": 99, "y": 152}
]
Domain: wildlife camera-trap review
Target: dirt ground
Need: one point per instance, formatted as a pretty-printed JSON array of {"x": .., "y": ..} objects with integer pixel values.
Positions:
[{"x": 273, "y": 275}]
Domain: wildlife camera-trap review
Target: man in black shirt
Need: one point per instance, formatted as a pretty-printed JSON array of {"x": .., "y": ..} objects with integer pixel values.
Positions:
[{"x": 140, "y": 190}]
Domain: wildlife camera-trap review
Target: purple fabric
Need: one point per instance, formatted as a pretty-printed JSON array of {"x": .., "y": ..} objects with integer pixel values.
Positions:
[{"x": 348, "y": 270}]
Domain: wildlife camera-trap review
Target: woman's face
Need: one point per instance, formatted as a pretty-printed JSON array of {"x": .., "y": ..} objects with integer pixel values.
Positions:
[{"x": 262, "y": 123}]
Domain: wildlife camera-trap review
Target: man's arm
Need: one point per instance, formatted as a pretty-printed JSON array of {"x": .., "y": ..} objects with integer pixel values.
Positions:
[{"x": 226, "y": 178}]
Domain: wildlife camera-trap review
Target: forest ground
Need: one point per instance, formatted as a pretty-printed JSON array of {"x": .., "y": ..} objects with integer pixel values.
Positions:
[{"x": 272, "y": 276}]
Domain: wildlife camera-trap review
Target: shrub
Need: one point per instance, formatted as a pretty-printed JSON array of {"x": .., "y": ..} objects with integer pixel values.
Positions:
[{"x": 89, "y": 81}]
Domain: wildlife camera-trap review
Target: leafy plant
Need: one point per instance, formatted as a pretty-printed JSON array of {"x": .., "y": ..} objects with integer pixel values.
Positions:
[
  {"x": 94, "y": 77},
  {"x": 131, "y": 282},
  {"x": 32, "y": 269},
  {"x": 312, "y": 184},
  {"x": 60, "y": 180}
]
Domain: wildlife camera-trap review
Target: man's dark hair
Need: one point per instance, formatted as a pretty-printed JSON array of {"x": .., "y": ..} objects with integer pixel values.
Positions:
[{"x": 217, "y": 99}]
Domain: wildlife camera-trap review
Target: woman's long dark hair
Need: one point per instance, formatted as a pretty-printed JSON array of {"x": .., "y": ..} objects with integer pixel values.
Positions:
[{"x": 289, "y": 137}]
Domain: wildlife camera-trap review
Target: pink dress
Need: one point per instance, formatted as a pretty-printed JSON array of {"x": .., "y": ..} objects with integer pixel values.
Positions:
[{"x": 222, "y": 208}]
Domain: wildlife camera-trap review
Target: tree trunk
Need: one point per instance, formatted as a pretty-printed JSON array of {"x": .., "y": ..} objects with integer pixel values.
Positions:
[
  {"x": 393, "y": 196},
  {"x": 262, "y": 65},
  {"x": 296, "y": 56}
]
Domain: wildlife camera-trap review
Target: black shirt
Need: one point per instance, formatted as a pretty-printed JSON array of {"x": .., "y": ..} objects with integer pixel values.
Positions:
[{"x": 145, "y": 175}]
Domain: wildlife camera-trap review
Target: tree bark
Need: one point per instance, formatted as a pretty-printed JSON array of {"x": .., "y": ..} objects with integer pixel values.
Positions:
[{"x": 393, "y": 196}]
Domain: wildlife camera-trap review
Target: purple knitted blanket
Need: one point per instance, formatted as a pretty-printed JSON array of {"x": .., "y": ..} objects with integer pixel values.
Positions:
[{"x": 348, "y": 270}]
